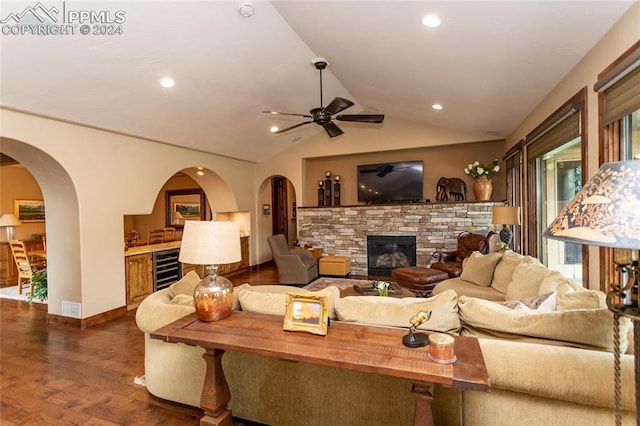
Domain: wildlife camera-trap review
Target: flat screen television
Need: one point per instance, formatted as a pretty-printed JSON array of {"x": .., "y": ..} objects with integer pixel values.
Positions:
[{"x": 390, "y": 182}]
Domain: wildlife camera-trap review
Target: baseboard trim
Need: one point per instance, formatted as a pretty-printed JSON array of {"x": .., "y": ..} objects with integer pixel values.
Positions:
[{"x": 83, "y": 323}]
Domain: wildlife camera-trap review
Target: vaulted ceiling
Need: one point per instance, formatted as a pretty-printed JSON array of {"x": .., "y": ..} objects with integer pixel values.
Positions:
[{"x": 488, "y": 64}]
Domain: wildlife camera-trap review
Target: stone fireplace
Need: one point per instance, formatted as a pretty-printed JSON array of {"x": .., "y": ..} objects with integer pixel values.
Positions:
[
  {"x": 343, "y": 230},
  {"x": 387, "y": 252}
]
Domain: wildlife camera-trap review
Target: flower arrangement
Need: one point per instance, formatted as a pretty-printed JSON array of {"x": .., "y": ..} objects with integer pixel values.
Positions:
[
  {"x": 382, "y": 287},
  {"x": 476, "y": 169}
]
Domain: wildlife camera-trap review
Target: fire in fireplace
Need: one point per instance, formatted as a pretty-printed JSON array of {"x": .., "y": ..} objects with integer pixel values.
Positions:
[{"x": 385, "y": 253}]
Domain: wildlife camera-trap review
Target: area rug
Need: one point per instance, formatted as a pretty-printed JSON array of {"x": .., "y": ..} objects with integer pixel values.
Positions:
[
  {"x": 11, "y": 293},
  {"x": 341, "y": 283}
]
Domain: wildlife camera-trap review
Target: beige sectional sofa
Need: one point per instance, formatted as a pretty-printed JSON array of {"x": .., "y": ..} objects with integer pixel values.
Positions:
[{"x": 546, "y": 368}]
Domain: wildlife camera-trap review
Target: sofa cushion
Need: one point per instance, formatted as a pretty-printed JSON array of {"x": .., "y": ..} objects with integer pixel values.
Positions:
[
  {"x": 186, "y": 285},
  {"x": 572, "y": 295},
  {"x": 504, "y": 269},
  {"x": 465, "y": 288},
  {"x": 183, "y": 299},
  {"x": 394, "y": 312},
  {"x": 526, "y": 280},
  {"x": 478, "y": 268},
  {"x": 271, "y": 299},
  {"x": 588, "y": 328}
]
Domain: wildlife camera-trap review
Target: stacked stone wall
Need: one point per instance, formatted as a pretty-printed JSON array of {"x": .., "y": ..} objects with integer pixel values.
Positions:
[{"x": 343, "y": 231}]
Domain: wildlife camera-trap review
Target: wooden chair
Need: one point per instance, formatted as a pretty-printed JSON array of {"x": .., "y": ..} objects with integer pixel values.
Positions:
[
  {"x": 132, "y": 238},
  {"x": 169, "y": 234},
  {"x": 156, "y": 236},
  {"x": 23, "y": 264}
]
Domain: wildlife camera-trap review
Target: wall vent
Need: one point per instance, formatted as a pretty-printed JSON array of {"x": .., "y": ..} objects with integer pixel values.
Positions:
[{"x": 71, "y": 309}]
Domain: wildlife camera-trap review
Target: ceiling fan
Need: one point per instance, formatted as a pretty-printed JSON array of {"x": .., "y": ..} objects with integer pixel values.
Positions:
[{"x": 322, "y": 116}]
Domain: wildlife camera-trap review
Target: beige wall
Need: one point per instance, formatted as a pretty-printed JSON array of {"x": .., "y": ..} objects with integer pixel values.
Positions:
[
  {"x": 16, "y": 183},
  {"x": 621, "y": 37},
  {"x": 438, "y": 161}
]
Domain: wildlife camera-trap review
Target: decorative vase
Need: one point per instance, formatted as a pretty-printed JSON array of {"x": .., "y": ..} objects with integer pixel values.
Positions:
[
  {"x": 483, "y": 188},
  {"x": 213, "y": 298}
]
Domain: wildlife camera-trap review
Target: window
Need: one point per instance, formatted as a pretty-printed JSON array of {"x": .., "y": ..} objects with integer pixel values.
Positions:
[{"x": 553, "y": 163}]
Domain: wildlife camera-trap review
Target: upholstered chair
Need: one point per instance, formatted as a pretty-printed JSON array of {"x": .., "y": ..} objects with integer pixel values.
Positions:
[
  {"x": 297, "y": 267},
  {"x": 451, "y": 261}
]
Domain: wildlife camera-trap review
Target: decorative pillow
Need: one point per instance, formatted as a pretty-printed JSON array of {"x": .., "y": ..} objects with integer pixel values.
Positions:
[
  {"x": 478, "y": 268},
  {"x": 542, "y": 303},
  {"x": 572, "y": 295},
  {"x": 504, "y": 269},
  {"x": 394, "y": 312},
  {"x": 271, "y": 300},
  {"x": 183, "y": 299},
  {"x": 587, "y": 328},
  {"x": 186, "y": 285},
  {"x": 526, "y": 280}
]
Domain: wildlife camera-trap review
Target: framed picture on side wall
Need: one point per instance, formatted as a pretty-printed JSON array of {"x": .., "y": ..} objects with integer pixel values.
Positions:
[{"x": 29, "y": 210}]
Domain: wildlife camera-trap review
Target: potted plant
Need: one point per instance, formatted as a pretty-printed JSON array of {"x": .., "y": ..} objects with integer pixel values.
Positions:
[{"x": 39, "y": 282}]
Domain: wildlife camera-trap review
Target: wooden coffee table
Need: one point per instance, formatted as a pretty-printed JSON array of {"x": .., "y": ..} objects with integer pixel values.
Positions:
[{"x": 371, "y": 349}]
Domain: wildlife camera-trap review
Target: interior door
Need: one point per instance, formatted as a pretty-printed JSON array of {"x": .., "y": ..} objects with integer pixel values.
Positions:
[{"x": 280, "y": 217}]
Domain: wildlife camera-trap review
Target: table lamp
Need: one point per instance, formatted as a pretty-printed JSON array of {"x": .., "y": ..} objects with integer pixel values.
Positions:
[
  {"x": 606, "y": 213},
  {"x": 8, "y": 221},
  {"x": 506, "y": 215},
  {"x": 212, "y": 244}
]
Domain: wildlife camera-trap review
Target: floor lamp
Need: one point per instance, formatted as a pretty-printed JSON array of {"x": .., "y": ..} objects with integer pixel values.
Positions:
[{"x": 606, "y": 213}]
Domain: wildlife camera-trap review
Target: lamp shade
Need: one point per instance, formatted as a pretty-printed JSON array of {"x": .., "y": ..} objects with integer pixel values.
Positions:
[
  {"x": 606, "y": 211},
  {"x": 506, "y": 215},
  {"x": 9, "y": 219},
  {"x": 210, "y": 243}
]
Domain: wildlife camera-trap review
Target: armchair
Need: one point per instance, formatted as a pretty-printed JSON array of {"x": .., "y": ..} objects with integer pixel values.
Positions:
[
  {"x": 298, "y": 267},
  {"x": 451, "y": 261}
]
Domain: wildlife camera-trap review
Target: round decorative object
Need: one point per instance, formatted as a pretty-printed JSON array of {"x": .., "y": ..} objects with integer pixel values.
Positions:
[
  {"x": 483, "y": 188},
  {"x": 441, "y": 348},
  {"x": 213, "y": 298}
]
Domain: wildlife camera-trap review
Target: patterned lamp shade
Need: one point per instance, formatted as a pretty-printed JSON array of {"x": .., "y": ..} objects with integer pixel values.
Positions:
[{"x": 606, "y": 211}]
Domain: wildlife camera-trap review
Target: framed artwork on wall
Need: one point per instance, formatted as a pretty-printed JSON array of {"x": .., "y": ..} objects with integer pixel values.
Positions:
[
  {"x": 184, "y": 204},
  {"x": 29, "y": 210}
]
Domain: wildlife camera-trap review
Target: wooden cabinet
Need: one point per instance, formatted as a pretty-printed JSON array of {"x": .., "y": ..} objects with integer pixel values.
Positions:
[
  {"x": 139, "y": 278},
  {"x": 242, "y": 264}
]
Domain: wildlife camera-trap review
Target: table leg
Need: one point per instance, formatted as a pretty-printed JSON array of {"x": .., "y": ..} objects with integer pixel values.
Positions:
[
  {"x": 215, "y": 392},
  {"x": 422, "y": 392}
]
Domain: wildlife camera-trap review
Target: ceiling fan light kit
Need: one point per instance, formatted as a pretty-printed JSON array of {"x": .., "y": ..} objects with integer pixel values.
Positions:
[{"x": 323, "y": 116}]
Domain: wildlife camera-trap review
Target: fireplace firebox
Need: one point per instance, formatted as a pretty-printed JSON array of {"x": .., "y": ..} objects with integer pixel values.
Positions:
[{"x": 385, "y": 253}]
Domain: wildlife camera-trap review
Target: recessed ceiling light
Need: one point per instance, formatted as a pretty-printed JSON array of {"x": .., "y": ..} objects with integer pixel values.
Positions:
[
  {"x": 167, "y": 82},
  {"x": 246, "y": 9},
  {"x": 274, "y": 129},
  {"x": 431, "y": 21},
  {"x": 436, "y": 106}
]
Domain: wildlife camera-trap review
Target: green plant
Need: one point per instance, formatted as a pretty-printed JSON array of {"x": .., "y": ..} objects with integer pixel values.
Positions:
[
  {"x": 382, "y": 287},
  {"x": 39, "y": 281},
  {"x": 476, "y": 169}
]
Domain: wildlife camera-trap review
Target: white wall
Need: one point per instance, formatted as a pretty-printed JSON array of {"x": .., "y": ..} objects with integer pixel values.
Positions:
[{"x": 102, "y": 176}]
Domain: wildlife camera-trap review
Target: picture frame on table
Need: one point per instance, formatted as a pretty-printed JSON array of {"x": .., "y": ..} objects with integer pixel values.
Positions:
[
  {"x": 29, "y": 210},
  {"x": 306, "y": 313}
]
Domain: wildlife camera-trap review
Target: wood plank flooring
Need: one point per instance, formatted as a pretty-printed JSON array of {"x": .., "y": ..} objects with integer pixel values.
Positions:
[{"x": 56, "y": 375}]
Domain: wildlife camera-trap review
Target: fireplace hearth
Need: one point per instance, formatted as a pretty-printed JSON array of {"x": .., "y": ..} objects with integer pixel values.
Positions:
[{"x": 387, "y": 252}]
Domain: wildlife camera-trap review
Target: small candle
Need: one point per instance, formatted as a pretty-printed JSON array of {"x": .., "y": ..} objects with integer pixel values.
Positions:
[
  {"x": 327, "y": 174},
  {"x": 441, "y": 348},
  {"x": 337, "y": 178}
]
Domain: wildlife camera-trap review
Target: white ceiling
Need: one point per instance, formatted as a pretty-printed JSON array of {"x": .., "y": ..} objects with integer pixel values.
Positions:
[{"x": 489, "y": 64}]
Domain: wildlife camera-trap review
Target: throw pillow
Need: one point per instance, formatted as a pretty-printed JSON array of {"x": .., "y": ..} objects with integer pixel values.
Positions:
[
  {"x": 504, "y": 269},
  {"x": 526, "y": 280},
  {"x": 572, "y": 295},
  {"x": 478, "y": 268},
  {"x": 271, "y": 300},
  {"x": 587, "y": 328},
  {"x": 394, "y": 312},
  {"x": 542, "y": 303},
  {"x": 186, "y": 285},
  {"x": 182, "y": 299}
]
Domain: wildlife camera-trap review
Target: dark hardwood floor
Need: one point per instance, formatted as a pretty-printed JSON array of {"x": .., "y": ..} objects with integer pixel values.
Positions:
[{"x": 56, "y": 375}]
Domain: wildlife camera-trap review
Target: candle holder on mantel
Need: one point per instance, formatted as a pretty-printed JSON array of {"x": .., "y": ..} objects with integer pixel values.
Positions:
[
  {"x": 336, "y": 190},
  {"x": 327, "y": 189},
  {"x": 320, "y": 193}
]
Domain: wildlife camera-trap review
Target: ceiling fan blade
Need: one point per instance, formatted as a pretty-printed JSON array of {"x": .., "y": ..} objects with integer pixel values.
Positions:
[
  {"x": 292, "y": 127},
  {"x": 332, "y": 129},
  {"x": 287, "y": 113},
  {"x": 362, "y": 118},
  {"x": 337, "y": 105}
]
